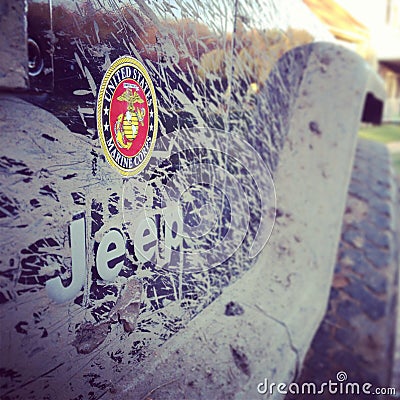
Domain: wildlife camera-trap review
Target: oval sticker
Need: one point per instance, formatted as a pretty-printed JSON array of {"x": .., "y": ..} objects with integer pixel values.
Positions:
[{"x": 127, "y": 115}]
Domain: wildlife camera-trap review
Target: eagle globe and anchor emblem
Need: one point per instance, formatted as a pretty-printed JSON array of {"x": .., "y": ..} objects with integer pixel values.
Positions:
[
  {"x": 127, "y": 116},
  {"x": 127, "y": 124}
]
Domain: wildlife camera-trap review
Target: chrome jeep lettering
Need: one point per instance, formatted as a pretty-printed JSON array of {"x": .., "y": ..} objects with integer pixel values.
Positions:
[
  {"x": 145, "y": 240},
  {"x": 173, "y": 235},
  {"x": 54, "y": 287},
  {"x": 148, "y": 247},
  {"x": 111, "y": 250},
  {"x": 109, "y": 258}
]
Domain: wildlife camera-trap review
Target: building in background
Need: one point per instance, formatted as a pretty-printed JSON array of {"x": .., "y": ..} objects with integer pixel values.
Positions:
[{"x": 373, "y": 30}]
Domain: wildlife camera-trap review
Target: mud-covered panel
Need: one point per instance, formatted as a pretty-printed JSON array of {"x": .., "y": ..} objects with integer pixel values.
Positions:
[
  {"x": 67, "y": 280},
  {"x": 47, "y": 190},
  {"x": 113, "y": 267}
]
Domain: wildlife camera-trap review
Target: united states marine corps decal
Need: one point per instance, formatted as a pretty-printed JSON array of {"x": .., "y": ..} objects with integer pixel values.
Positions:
[{"x": 127, "y": 115}]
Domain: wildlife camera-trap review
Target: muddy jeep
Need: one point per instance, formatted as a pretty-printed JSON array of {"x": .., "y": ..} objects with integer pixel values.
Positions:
[{"x": 174, "y": 179}]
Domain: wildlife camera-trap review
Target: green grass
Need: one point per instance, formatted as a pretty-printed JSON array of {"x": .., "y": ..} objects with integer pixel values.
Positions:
[{"x": 384, "y": 133}]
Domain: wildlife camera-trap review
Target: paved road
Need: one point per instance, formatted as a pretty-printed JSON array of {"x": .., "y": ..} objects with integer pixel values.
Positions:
[
  {"x": 396, "y": 371},
  {"x": 394, "y": 147}
]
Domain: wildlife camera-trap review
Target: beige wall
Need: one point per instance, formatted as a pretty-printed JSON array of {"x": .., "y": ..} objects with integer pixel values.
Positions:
[
  {"x": 392, "y": 86},
  {"x": 382, "y": 17}
]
